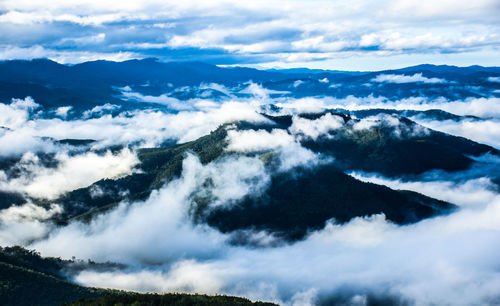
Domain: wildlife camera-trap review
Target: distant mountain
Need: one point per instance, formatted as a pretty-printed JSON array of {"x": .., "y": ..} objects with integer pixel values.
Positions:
[
  {"x": 107, "y": 73},
  {"x": 307, "y": 71},
  {"x": 93, "y": 83},
  {"x": 450, "y": 69}
]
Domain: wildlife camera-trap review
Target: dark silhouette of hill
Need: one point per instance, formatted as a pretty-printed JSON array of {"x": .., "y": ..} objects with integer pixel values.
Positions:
[
  {"x": 94, "y": 83},
  {"x": 303, "y": 199}
]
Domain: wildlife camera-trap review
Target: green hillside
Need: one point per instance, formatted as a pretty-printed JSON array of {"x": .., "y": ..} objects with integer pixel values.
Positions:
[{"x": 26, "y": 278}]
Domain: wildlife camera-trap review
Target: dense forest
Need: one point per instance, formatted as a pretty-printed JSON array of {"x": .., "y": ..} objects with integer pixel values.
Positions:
[{"x": 26, "y": 278}]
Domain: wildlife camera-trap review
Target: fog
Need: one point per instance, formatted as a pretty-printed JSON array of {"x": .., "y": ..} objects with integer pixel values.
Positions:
[
  {"x": 367, "y": 256},
  {"x": 445, "y": 260}
]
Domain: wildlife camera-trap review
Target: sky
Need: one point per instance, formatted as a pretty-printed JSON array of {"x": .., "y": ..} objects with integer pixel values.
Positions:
[{"x": 346, "y": 35}]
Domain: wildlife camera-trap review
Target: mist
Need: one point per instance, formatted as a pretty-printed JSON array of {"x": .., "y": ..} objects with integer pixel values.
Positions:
[
  {"x": 353, "y": 261},
  {"x": 450, "y": 259}
]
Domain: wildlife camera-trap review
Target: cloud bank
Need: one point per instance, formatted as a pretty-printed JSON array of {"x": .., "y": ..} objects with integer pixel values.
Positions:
[
  {"x": 434, "y": 257},
  {"x": 401, "y": 79},
  {"x": 449, "y": 260}
]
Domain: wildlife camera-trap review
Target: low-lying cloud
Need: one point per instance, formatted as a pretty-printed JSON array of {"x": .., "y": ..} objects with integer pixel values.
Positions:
[
  {"x": 317, "y": 127},
  {"x": 354, "y": 261},
  {"x": 21, "y": 225},
  {"x": 450, "y": 260},
  {"x": 401, "y": 79},
  {"x": 483, "y": 131},
  {"x": 26, "y": 131},
  {"x": 71, "y": 172},
  {"x": 447, "y": 260}
]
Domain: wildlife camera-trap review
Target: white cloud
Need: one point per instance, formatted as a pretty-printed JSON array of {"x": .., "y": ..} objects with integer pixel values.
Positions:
[
  {"x": 26, "y": 223},
  {"x": 260, "y": 92},
  {"x": 62, "y": 56},
  {"x": 318, "y": 127},
  {"x": 400, "y": 79},
  {"x": 100, "y": 110},
  {"x": 281, "y": 31},
  {"x": 71, "y": 173},
  {"x": 252, "y": 140},
  {"x": 472, "y": 192},
  {"x": 480, "y": 107},
  {"x": 63, "y": 111},
  {"x": 291, "y": 153},
  {"x": 393, "y": 121},
  {"x": 167, "y": 252},
  {"x": 297, "y": 83},
  {"x": 140, "y": 127},
  {"x": 482, "y": 131},
  {"x": 494, "y": 79},
  {"x": 164, "y": 99},
  {"x": 17, "y": 112}
]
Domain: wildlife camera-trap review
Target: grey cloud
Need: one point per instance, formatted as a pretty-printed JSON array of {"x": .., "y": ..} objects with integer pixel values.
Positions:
[{"x": 257, "y": 32}]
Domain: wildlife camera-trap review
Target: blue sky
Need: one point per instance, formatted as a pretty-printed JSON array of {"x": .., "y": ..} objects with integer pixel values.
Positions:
[{"x": 348, "y": 35}]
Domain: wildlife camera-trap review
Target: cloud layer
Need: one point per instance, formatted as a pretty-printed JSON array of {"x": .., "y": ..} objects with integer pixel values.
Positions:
[
  {"x": 401, "y": 79},
  {"x": 446, "y": 260},
  {"x": 449, "y": 260}
]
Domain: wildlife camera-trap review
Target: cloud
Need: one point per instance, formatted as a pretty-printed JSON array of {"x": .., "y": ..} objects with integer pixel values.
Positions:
[
  {"x": 62, "y": 56},
  {"x": 25, "y": 224},
  {"x": 472, "y": 192},
  {"x": 482, "y": 131},
  {"x": 71, "y": 172},
  {"x": 291, "y": 154},
  {"x": 171, "y": 102},
  {"x": 399, "y": 130},
  {"x": 348, "y": 252},
  {"x": 162, "y": 221},
  {"x": 252, "y": 140},
  {"x": 63, "y": 111},
  {"x": 494, "y": 79},
  {"x": 100, "y": 110},
  {"x": 401, "y": 79},
  {"x": 257, "y": 32},
  {"x": 480, "y": 107},
  {"x": 316, "y": 128},
  {"x": 297, "y": 83},
  {"x": 13, "y": 139},
  {"x": 451, "y": 259},
  {"x": 260, "y": 92},
  {"x": 16, "y": 113},
  {"x": 148, "y": 127}
]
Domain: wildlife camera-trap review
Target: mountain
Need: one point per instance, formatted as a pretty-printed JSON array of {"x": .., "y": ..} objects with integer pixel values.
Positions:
[
  {"x": 107, "y": 73},
  {"x": 98, "y": 82},
  {"x": 26, "y": 278},
  {"x": 450, "y": 69},
  {"x": 302, "y": 199},
  {"x": 296, "y": 204}
]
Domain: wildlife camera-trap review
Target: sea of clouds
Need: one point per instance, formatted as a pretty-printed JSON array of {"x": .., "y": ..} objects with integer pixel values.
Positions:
[{"x": 446, "y": 260}]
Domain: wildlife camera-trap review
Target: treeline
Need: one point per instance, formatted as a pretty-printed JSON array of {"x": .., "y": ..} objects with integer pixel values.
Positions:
[{"x": 137, "y": 299}]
